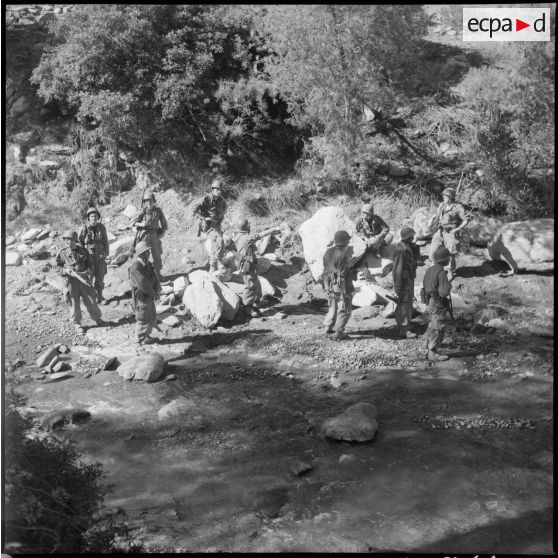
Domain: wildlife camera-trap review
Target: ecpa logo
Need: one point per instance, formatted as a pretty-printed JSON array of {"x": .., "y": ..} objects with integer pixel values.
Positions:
[{"x": 506, "y": 24}]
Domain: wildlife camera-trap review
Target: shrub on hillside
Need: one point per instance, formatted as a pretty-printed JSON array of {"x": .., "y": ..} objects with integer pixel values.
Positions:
[{"x": 53, "y": 502}]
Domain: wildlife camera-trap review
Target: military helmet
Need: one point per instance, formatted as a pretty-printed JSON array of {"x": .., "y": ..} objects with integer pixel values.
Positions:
[
  {"x": 70, "y": 234},
  {"x": 367, "y": 208},
  {"x": 142, "y": 247},
  {"x": 341, "y": 237},
  {"x": 243, "y": 225},
  {"x": 450, "y": 192},
  {"x": 216, "y": 185},
  {"x": 441, "y": 255},
  {"x": 149, "y": 195},
  {"x": 407, "y": 232},
  {"x": 92, "y": 210}
]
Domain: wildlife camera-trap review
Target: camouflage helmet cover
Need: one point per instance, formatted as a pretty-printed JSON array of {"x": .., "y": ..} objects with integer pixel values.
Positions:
[
  {"x": 341, "y": 237},
  {"x": 142, "y": 247}
]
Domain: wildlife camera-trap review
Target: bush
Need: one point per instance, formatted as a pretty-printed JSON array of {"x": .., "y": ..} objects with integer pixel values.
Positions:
[{"x": 53, "y": 502}]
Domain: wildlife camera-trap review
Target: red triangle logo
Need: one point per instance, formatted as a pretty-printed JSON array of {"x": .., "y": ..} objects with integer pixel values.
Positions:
[{"x": 519, "y": 25}]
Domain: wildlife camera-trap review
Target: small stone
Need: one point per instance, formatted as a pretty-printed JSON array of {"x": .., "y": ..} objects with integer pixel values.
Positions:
[
  {"x": 47, "y": 356},
  {"x": 111, "y": 363},
  {"x": 172, "y": 321},
  {"x": 300, "y": 468},
  {"x": 58, "y": 376},
  {"x": 347, "y": 458}
]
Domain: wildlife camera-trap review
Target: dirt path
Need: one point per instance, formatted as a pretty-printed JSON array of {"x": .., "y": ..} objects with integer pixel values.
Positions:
[{"x": 229, "y": 455}]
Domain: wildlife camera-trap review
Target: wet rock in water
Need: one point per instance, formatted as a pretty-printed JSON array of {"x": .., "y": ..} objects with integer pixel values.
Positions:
[
  {"x": 300, "y": 468},
  {"x": 525, "y": 245},
  {"x": 357, "y": 424},
  {"x": 147, "y": 368},
  {"x": 13, "y": 258},
  {"x": 47, "y": 356},
  {"x": 204, "y": 302},
  {"x": 179, "y": 286},
  {"x": 111, "y": 363},
  {"x": 317, "y": 235},
  {"x": 60, "y": 418}
]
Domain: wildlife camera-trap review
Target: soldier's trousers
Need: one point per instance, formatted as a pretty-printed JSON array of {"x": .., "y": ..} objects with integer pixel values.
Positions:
[
  {"x": 215, "y": 246},
  {"x": 88, "y": 295},
  {"x": 404, "y": 308},
  {"x": 153, "y": 239},
  {"x": 436, "y": 330},
  {"x": 146, "y": 318},
  {"x": 340, "y": 309},
  {"x": 448, "y": 240},
  {"x": 98, "y": 270},
  {"x": 252, "y": 290}
]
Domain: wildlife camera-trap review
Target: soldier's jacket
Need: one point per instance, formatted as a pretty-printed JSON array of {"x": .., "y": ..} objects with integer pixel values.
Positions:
[
  {"x": 436, "y": 286},
  {"x": 213, "y": 208},
  {"x": 153, "y": 220},
  {"x": 94, "y": 238},
  {"x": 244, "y": 244},
  {"x": 77, "y": 259},
  {"x": 405, "y": 260},
  {"x": 337, "y": 275},
  {"x": 372, "y": 226},
  {"x": 143, "y": 280},
  {"x": 450, "y": 216}
]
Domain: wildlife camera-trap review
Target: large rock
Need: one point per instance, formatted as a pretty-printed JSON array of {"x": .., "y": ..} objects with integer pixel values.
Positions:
[
  {"x": 204, "y": 302},
  {"x": 267, "y": 288},
  {"x": 525, "y": 245},
  {"x": 47, "y": 356},
  {"x": 317, "y": 235},
  {"x": 364, "y": 295},
  {"x": 231, "y": 300},
  {"x": 179, "y": 285},
  {"x": 357, "y": 424},
  {"x": 481, "y": 230},
  {"x": 130, "y": 211},
  {"x": 263, "y": 265},
  {"x": 147, "y": 368},
  {"x": 121, "y": 247},
  {"x": 13, "y": 258},
  {"x": 421, "y": 221},
  {"x": 198, "y": 276},
  {"x": 30, "y": 235}
]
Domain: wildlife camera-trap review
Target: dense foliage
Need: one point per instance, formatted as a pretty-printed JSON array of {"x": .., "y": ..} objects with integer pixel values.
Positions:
[{"x": 53, "y": 502}]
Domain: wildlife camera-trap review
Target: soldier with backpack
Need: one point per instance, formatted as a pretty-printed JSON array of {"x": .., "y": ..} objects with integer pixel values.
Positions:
[{"x": 338, "y": 285}]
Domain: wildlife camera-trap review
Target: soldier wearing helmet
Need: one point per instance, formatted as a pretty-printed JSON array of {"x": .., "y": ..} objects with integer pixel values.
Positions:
[
  {"x": 450, "y": 220},
  {"x": 93, "y": 237},
  {"x": 338, "y": 284},
  {"x": 151, "y": 226},
  {"x": 244, "y": 246},
  {"x": 74, "y": 263},
  {"x": 435, "y": 293},
  {"x": 405, "y": 261},
  {"x": 211, "y": 211},
  {"x": 373, "y": 229},
  {"x": 146, "y": 288}
]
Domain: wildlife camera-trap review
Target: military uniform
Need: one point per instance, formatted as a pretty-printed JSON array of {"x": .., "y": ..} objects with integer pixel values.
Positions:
[
  {"x": 339, "y": 287},
  {"x": 155, "y": 225},
  {"x": 404, "y": 272},
  {"x": 145, "y": 289},
  {"x": 79, "y": 260},
  {"x": 212, "y": 209},
  {"x": 374, "y": 228},
  {"x": 448, "y": 217},
  {"x": 437, "y": 289},
  {"x": 247, "y": 262},
  {"x": 94, "y": 239}
]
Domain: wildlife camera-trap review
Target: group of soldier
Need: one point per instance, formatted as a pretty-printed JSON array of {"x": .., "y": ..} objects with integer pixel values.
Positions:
[
  {"x": 83, "y": 262},
  {"x": 449, "y": 220}
]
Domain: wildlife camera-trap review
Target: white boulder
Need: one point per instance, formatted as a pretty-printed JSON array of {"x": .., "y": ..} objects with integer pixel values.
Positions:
[
  {"x": 130, "y": 211},
  {"x": 147, "y": 368},
  {"x": 267, "y": 288},
  {"x": 30, "y": 235},
  {"x": 13, "y": 258},
  {"x": 204, "y": 302},
  {"x": 198, "y": 276},
  {"x": 179, "y": 285},
  {"x": 231, "y": 300},
  {"x": 422, "y": 222},
  {"x": 317, "y": 235},
  {"x": 121, "y": 247},
  {"x": 364, "y": 294},
  {"x": 525, "y": 245},
  {"x": 171, "y": 321}
]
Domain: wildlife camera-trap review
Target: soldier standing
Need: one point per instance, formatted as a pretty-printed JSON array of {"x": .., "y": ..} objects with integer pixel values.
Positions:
[
  {"x": 93, "y": 237},
  {"x": 151, "y": 226},
  {"x": 145, "y": 289},
  {"x": 435, "y": 293},
  {"x": 244, "y": 244},
  {"x": 338, "y": 285},
  {"x": 450, "y": 219},
  {"x": 404, "y": 271},
  {"x": 373, "y": 228},
  {"x": 73, "y": 262},
  {"x": 212, "y": 211}
]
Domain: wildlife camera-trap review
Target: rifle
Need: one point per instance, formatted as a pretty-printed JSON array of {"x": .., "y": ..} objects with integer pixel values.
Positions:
[{"x": 75, "y": 275}]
